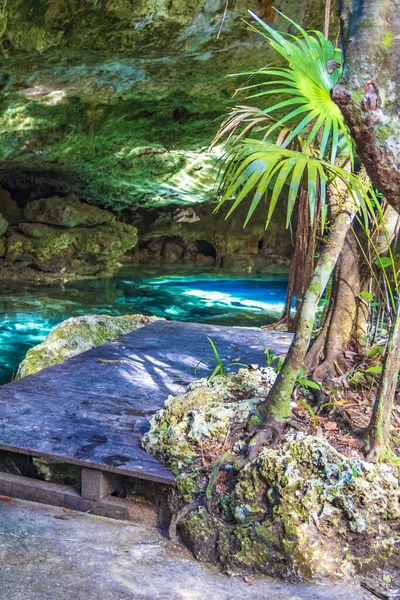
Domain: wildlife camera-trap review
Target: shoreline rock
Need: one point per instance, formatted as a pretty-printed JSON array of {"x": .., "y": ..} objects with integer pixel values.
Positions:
[{"x": 76, "y": 335}]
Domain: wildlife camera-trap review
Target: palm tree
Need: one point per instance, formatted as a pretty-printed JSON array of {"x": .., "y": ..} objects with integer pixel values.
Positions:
[{"x": 295, "y": 142}]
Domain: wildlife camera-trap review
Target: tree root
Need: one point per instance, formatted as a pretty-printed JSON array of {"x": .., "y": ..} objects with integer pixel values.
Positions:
[
  {"x": 272, "y": 434},
  {"x": 180, "y": 515}
]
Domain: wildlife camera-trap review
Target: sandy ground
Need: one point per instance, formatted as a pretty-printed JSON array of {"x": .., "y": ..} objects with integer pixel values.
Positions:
[{"x": 48, "y": 554}]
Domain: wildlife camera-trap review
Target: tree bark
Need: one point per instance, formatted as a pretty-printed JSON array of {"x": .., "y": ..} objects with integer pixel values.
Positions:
[
  {"x": 369, "y": 95},
  {"x": 302, "y": 264},
  {"x": 342, "y": 318},
  {"x": 369, "y": 98},
  {"x": 381, "y": 417},
  {"x": 277, "y": 406}
]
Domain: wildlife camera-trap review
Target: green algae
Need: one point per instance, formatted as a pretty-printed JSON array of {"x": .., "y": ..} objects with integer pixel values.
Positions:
[{"x": 89, "y": 85}]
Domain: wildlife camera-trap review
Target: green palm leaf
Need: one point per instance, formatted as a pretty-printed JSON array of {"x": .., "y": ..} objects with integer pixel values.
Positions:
[
  {"x": 262, "y": 169},
  {"x": 308, "y": 82}
]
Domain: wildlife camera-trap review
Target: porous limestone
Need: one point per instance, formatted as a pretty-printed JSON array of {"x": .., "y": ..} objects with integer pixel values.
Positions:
[
  {"x": 300, "y": 509},
  {"x": 77, "y": 335}
]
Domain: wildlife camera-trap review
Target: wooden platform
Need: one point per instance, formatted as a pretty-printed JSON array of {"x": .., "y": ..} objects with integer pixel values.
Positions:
[{"x": 93, "y": 409}]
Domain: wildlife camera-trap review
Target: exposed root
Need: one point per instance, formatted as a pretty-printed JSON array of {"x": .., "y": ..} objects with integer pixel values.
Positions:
[
  {"x": 273, "y": 326},
  {"x": 271, "y": 435},
  {"x": 180, "y": 515}
]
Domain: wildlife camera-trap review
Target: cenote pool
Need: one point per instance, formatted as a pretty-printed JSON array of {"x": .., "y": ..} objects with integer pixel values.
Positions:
[{"x": 28, "y": 312}]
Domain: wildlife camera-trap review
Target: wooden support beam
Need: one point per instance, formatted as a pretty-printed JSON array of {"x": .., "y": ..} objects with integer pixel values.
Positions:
[
  {"x": 97, "y": 485},
  {"x": 34, "y": 490}
]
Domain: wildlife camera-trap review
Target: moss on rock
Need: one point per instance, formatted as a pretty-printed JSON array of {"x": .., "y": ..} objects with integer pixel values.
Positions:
[
  {"x": 299, "y": 509},
  {"x": 77, "y": 335},
  {"x": 88, "y": 86},
  {"x": 66, "y": 212},
  {"x": 88, "y": 249},
  {"x": 3, "y": 224}
]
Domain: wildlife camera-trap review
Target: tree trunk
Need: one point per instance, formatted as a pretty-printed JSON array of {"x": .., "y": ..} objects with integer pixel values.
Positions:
[
  {"x": 369, "y": 98},
  {"x": 302, "y": 264},
  {"x": 342, "y": 321},
  {"x": 277, "y": 406},
  {"x": 381, "y": 417}
]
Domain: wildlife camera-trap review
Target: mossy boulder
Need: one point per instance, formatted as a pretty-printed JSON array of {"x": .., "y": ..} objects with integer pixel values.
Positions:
[
  {"x": 66, "y": 212},
  {"x": 301, "y": 509},
  {"x": 78, "y": 250},
  {"x": 77, "y": 335},
  {"x": 3, "y": 247}
]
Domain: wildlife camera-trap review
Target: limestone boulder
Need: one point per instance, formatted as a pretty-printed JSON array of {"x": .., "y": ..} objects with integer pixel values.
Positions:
[
  {"x": 77, "y": 335},
  {"x": 301, "y": 509},
  {"x": 78, "y": 250},
  {"x": 66, "y": 212}
]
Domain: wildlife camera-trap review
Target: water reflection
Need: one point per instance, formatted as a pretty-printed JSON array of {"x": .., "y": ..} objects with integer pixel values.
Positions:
[{"x": 29, "y": 312}]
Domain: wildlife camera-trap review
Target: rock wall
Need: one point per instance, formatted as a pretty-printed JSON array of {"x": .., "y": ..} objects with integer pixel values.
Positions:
[
  {"x": 117, "y": 100},
  {"x": 198, "y": 235},
  {"x": 60, "y": 237}
]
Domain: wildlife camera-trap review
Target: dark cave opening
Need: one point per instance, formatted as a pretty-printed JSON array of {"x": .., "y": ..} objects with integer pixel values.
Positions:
[{"x": 204, "y": 247}]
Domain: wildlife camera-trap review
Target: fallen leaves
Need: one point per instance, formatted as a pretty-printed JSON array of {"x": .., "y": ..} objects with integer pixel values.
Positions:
[
  {"x": 5, "y": 499},
  {"x": 330, "y": 425}
]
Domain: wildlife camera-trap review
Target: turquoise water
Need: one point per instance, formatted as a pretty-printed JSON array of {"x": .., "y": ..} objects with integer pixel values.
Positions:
[{"x": 29, "y": 312}]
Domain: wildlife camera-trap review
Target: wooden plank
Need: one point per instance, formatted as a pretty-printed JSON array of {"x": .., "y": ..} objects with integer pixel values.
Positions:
[
  {"x": 92, "y": 413},
  {"x": 34, "y": 490}
]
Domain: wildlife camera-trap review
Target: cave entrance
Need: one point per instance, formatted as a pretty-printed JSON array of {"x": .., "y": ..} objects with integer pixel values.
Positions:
[{"x": 205, "y": 248}]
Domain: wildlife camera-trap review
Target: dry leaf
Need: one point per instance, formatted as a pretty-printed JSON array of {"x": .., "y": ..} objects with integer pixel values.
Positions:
[
  {"x": 330, "y": 425},
  {"x": 106, "y": 360},
  {"x": 5, "y": 499}
]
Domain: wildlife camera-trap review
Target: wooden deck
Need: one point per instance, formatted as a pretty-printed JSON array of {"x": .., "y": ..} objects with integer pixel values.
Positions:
[{"x": 93, "y": 409}]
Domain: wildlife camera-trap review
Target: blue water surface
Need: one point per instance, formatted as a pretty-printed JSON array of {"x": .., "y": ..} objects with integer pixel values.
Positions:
[{"x": 29, "y": 312}]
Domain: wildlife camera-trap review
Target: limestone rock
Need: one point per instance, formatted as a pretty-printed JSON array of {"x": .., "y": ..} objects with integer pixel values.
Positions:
[
  {"x": 198, "y": 233},
  {"x": 79, "y": 250},
  {"x": 91, "y": 84},
  {"x": 300, "y": 509},
  {"x": 66, "y": 212},
  {"x": 77, "y": 335},
  {"x": 3, "y": 224}
]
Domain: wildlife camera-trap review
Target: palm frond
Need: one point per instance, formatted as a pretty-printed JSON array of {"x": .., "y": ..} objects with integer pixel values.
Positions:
[
  {"x": 262, "y": 169},
  {"x": 307, "y": 81}
]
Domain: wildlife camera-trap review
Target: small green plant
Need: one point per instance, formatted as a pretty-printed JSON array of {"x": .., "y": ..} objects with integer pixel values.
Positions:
[
  {"x": 310, "y": 410},
  {"x": 306, "y": 383},
  {"x": 220, "y": 368},
  {"x": 271, "y": 358}
]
